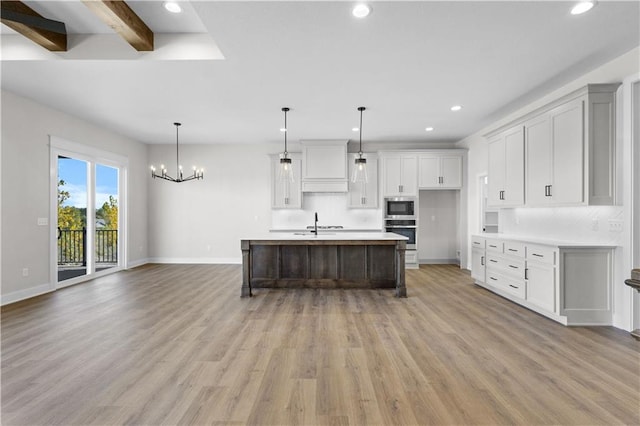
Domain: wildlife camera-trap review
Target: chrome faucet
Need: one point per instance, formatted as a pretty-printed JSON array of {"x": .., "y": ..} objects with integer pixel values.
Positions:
[{"x": 315, "y": 225}]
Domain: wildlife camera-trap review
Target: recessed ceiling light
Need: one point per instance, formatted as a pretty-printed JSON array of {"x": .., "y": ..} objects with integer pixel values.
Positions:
[
  {"x": 582, "y": 7},
  {"x": 172, "y": 6},
  {"x": 456, "y": 108},
  {"x": 361, "y": 10},
  {"x": 355, "y": 129},
  {"x": 429, "y": 129}
]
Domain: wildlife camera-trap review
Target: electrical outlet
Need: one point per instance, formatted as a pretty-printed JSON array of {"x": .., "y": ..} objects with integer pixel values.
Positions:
[
  {"x": 25, "y": 272},
  {"x": 43, "y": 221},
  {"x": 615, "y": 225}
]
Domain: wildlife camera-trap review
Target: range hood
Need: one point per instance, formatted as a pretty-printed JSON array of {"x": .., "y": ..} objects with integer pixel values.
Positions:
[{"x": 324, "y": 165}]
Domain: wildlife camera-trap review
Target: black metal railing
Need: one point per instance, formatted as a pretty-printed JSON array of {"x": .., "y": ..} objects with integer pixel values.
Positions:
[{"x": 72, "y": 246}]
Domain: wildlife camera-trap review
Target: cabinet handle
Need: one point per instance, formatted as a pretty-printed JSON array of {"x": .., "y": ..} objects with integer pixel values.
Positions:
[
  {"x": 363, "y": 200},
  {"x": 286, "y": 200},
  {"x": 513, "y": 286},
  {"x": 476, "y": 242},
  {"x": 501, "y": 195},
  {"x": 494, "y": 279},
  {"x": 512, "y": 249},
  {"x": 399, "y": 188},
  {"x": 491, "y": 245},
  {"x": 537, "y": 255},
  {"x": 549, "y": 190},
  {"x": 481, "y": 260},
  {"x": 494, "y": 261},
  {"x": 526, "y": 273},
  {"x": 514, "y": 267}
]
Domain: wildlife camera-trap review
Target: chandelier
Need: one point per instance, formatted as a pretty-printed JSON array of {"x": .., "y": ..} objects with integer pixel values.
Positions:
[{"x": 197, "y": 173}]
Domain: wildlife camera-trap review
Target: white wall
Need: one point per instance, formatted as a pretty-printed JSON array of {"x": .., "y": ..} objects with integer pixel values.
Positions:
[
  {"x": 438, "y": 214},
  {"x": 203, "y": 221},
  {"x": 562, "y": 223},
  {"x": 26, "y": 127}
]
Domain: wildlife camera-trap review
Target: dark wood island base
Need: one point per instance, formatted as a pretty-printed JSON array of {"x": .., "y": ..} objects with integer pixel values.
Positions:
[{"x": 323, "y": 263}]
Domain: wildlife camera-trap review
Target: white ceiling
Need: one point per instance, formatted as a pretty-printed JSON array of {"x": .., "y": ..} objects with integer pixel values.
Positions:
[{"x": 408, "y": 63}]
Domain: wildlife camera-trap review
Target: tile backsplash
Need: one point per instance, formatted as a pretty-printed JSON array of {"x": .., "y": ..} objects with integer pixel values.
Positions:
[
  {"x": 332, "y": 210},
  {"x": 597, "y": 224}
]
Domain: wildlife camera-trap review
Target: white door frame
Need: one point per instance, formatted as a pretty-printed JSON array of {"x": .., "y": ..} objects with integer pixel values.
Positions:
[{"x": 93, "y": 156}]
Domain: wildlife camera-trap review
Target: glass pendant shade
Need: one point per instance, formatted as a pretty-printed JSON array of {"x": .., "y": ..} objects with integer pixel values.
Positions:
[
  {"x": 286, "y": 169},
  {"x": 360, "y": 171}
]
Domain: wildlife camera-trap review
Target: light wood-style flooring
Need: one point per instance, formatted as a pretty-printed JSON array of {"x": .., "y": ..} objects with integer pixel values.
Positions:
[{"x": 175, "y": 344}]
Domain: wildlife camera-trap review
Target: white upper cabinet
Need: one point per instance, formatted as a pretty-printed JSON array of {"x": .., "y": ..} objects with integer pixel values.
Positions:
[
  {"x": 569, "y": 152},
  {"x": 364, "y": 196},
  {"x": 286, "y": 194},
  {"x": 400, "y": 174},
  {"x": 440, "y": 170},
  {"x": 506, "y": 169},
  {"x": 324, "y": 166}
]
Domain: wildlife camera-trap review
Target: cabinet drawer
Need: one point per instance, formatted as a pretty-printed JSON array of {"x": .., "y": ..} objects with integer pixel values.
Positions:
[
  {"x": 505, "y": 265},
  {"x": 510, "y": 285},
  {"x": 495, "y": 246},
  {"x": 478, "y": 242},
  {"x": 514, "y": 248},
  {"x": 515, "y": 287},
  {"x": 542, "y": 254}
]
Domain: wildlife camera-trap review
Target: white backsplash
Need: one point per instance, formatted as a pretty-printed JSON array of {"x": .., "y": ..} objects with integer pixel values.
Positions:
[
  {"x": 332, "y": 210},
  {"x": 580, "y": 224}
]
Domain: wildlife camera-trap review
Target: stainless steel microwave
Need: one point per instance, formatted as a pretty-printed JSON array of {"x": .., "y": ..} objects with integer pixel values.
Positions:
[{"x": 400, "y": 207}]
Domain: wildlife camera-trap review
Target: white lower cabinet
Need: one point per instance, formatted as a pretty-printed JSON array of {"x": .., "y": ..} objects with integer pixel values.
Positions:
[
  {"x": 571, "y": 284},
  {"x": 541, "y": 288},
  {"x": 478, "y": 256}
]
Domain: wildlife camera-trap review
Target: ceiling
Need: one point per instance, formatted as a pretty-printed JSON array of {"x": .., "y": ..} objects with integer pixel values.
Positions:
[{"x": 408, "y": 63}]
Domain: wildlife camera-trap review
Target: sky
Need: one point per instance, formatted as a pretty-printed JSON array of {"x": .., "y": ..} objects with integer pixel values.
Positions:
[{"x": 74, "y": 174}]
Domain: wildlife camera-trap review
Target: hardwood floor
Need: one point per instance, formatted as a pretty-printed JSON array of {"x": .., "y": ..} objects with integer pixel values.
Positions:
[{"x": 175, "y": 344}]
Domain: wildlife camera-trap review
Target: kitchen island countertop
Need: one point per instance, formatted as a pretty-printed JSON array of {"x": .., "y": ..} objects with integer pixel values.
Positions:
[{"x": 328, "y": 236}]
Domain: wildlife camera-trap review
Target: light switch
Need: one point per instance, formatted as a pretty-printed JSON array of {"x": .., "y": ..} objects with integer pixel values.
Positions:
[{"x": 43, "y": 221}]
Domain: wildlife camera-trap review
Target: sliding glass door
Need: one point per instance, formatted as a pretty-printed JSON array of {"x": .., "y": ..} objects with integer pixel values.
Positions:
[
  {"x": 72, "y": 218},
  {"x": 87, "y": 210},
  {"x": 106, "y": 217}
]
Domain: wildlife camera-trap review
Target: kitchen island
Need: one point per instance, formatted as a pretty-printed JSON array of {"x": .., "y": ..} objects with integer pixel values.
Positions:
[{"x": 341, "y": 260}]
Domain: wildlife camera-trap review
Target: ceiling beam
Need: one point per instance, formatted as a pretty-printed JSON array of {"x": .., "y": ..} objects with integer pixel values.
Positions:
[
  {"x": 119, "y": 16},
  {"x": 50, "y": 34}
]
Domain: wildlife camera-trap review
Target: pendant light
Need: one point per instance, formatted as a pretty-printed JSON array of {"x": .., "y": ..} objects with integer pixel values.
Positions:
[
  {"x": 286, "y": 169},
  {"x": 197, "y": 173},
  {"x": 360, "y": 169}
]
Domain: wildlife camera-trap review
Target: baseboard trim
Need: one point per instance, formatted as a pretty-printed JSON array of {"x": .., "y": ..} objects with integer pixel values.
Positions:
[
  {"x": 26, "y": 293},
  {"x": 136, "y": 263},
  {"x": 197, "y": 260},
  {"x": 439, "y": 261}
]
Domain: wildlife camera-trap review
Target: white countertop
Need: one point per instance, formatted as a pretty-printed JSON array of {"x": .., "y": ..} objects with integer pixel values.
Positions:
[
  {"x": 543, "y": 241},
  {"x": 291, "y": 230},
  {"x": 329, "y": 236}
]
